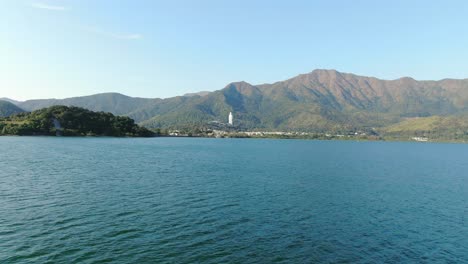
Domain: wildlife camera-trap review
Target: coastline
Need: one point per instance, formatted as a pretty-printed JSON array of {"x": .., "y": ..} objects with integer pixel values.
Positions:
[{"x": 355, "y": 139}]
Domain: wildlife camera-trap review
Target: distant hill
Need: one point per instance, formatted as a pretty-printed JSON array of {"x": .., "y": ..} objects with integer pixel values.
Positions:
[
  {"x": 9, "y": 100},
  {"x": 115, "y": 103},
  {"x": 70, "y": 121},
  {"x": 8, "y": 108},
  {"x": 202, "y": 93},
  {"x": 319, "y": 101}
]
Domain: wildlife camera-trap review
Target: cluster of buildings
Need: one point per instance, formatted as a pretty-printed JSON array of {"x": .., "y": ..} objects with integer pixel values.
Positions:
[
  {"x": 420, "y": 139},
  {"x": 220, "y": 129}
]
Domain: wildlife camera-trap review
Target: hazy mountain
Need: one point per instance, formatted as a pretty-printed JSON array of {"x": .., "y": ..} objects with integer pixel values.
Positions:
[
  {"x": 8, "y": 108},
  {"x": 9, "y": 100},
  {"x": 202, "y": 93},
  {"x": 323, "y": 100},
  {"x": 107, "y": 102}
]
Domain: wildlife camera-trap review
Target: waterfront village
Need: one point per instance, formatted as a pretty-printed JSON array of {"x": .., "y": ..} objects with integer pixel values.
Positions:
[{"x": 217, "y": 129}]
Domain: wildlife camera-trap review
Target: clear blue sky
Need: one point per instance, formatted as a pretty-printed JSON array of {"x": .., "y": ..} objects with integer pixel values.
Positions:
[{"x": 63, "y": 48}]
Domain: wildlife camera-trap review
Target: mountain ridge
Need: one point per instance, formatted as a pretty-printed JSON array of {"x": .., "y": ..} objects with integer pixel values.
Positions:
[
  {"x": 7, "y": 108},
  {"x": 321, "y": 100}
]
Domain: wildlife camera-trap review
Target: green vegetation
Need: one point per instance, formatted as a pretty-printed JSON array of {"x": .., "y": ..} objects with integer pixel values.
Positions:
[
  {"x": 441, "y": 128},
  {"x": 321, "y": 102},
  {"x": 71, "y": 121},
  {"x": 7, "y": 109},
  {"x": 415, "y": 124}
]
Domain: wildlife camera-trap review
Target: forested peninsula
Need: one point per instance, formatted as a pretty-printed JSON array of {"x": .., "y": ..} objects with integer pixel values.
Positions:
[{"x": 70, "y": 121}]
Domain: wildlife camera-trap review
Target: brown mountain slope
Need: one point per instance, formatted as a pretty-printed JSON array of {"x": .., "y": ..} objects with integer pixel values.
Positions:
[{"x": 321, "y": 100}]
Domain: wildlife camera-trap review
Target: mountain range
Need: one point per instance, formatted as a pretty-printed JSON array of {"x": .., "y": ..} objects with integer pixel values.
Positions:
[{"x": 319, "y": 101}]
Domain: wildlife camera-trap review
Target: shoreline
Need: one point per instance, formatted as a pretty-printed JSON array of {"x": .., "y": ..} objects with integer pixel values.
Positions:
[{"x": 452, "y": 141}]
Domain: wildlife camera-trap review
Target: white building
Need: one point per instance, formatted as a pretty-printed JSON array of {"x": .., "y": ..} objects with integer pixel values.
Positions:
[{"x": 230, "y": 118}]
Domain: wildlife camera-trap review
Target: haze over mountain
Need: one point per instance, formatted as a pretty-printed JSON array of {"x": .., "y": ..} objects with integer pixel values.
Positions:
[
  {"x": 115, "y": 103},
  {"x": 9, "y": 100},
  {"x": 322, "y": 100},
  {"x": 8, "y": 108},
  {"x": 202, "y": 93}
]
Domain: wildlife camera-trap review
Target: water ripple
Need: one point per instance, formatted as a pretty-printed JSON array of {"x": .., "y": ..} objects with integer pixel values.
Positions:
[{"x": 102, "y": 200}]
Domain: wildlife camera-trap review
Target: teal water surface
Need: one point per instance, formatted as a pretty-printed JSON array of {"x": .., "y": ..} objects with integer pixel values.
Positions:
[{"x": 191, "y": 200}]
